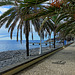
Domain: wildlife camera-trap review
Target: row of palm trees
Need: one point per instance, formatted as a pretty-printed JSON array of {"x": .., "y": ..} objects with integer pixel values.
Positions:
[
  {"x": 19, "y": 14},
  {"x": 34, "y": 11},
  {"x": 67, "y": 16}
]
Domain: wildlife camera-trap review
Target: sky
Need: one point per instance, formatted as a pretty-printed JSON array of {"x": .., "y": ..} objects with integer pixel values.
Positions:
[{"x": 4, "y": 35}]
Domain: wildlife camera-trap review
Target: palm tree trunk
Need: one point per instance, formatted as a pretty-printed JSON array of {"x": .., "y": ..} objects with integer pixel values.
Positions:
[
  {"x": 54, "y": 38},
  {"x": 27, "y": 38},
  {"x": 50, "y": 42},
  {"x": 63, "y": 41},
  {"x": 40, "y": 51}
]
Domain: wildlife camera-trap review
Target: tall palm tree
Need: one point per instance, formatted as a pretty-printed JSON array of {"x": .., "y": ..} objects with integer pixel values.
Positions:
[
  {"x": 15, "y": 14},
  {"x": 19, "y": 13},
  {"x": 51, "y": 23},
  {"x": 23, "y": 12},
  {"x": 67, "y": 12}
]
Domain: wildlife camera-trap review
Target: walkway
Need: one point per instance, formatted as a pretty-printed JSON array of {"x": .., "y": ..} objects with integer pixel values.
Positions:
[{"x": 61, "y": 63}]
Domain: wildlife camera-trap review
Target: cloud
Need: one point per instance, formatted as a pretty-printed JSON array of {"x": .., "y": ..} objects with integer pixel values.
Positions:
[
  {"x": 7, "y": 37},
  {"x": 0, "y": 13},
  {"x": 4, "y": 9},
  {"x": 3, "y": 36}
]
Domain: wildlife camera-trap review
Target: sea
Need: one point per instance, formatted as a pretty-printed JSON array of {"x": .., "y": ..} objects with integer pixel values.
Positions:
[{"x": 8, "y": 45}]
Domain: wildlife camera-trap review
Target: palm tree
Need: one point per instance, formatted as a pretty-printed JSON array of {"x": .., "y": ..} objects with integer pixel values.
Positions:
[
  {"x": 23, "y": 12},
  {"x": 14, "y": 15},
  {"x": 67, "y": 28},
  {"x": 19, "y": 13},
  {"x": 68, "y": 17},
  {"x": 51, "y": 23},
  {"x": 55, "y": 21}
]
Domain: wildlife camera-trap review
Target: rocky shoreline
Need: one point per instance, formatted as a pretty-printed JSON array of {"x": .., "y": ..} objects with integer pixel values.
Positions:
[{"x": 13, "y": 57}]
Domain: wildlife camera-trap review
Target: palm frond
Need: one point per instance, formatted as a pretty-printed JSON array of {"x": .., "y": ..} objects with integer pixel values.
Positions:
[
  {"x": 48, "y": 30},
  {"x": 7, "y": 13},
  {"x": 13, "y": 26},
  {"x": 68, "y": 30},
  {"x": 18, "y": 27},
  {"x": 51, "y": 25},
  {"x": 72, "y": 31},
  {"x": 11, "y": 18},
  {"x": 40, "y": 13},
  {"x": 3, "y": 21},
  {"x": 63, "y": 25},
  {"x": 6, "y": 3},
  {"x": 21, "y": 34},
  {"x": 17, "y": 31},
  {"x": 61, "y": 17},
  {"x": 36, "y": 24},
  {"x": 43, "y": 23}
]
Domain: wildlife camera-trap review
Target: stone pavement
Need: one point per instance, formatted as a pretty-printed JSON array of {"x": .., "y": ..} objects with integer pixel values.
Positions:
[{"x": 61, "y": 63}]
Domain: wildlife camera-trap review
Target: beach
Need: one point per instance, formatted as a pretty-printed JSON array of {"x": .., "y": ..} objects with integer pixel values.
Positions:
[{"x": 8, "y": 58}]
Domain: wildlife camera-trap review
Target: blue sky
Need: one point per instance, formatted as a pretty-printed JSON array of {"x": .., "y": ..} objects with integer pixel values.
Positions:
[{"x": 4, "y": 35}]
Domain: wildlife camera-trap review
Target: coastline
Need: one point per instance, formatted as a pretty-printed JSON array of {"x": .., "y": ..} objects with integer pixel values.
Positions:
[{"x": 12, "y": 57}]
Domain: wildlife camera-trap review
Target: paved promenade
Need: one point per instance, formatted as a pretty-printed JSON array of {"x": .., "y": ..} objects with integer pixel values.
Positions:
[{"x": 61, "y": 63}]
